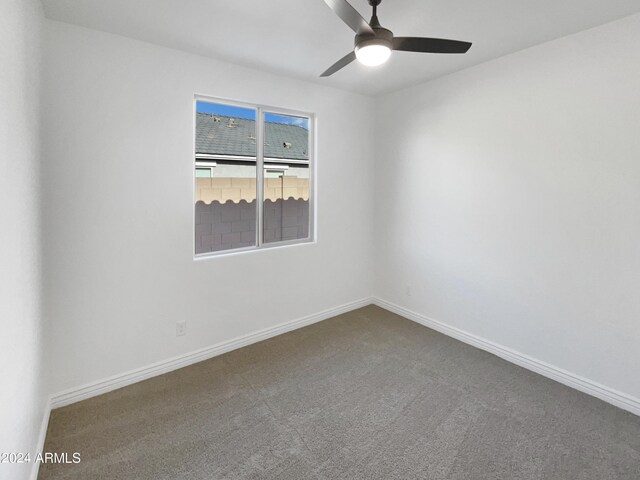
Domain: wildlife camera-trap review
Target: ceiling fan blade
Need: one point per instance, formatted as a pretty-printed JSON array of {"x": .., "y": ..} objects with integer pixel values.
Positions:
[
  {"x": 349, "y": 15},
  {"x": 430, "y": 45},
  {"x": 343, "y": 62}
]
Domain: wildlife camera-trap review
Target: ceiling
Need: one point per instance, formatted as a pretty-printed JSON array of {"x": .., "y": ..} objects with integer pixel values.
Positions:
[{"x": 301, "y": 38}]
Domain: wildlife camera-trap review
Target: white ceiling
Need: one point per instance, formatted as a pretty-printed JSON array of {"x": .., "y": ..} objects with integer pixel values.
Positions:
[{"x": 301, "y": 38}]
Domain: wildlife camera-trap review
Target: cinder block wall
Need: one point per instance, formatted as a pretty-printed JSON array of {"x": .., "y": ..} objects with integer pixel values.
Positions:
[
  {"x": 238, "y": 188},
  {"x": 223, "y": 226},
  {"x": 286, "y": 219}
]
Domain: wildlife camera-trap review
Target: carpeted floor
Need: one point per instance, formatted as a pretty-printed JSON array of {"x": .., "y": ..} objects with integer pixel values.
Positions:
[{"x": 366, "y": 395}]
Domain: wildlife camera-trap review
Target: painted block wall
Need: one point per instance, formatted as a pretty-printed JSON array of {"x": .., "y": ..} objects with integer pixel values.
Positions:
[
  {"x": 223, "y": 226},
  {"x": 23, "y": 387},
  {"x": 115, "y": 286},
  {"x": 522, "y": 222}
]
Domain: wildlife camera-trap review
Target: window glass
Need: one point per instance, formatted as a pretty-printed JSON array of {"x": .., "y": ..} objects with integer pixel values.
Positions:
[
  {"x": 286, "y": 193},
  {"x": 231, "y": 173},
  {"x": 225, "y": 176},
  {"x": 203, "y": 172}
]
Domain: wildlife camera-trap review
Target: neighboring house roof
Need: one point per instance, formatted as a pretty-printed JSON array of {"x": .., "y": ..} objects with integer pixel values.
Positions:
[{"x": 222, "y": 135}]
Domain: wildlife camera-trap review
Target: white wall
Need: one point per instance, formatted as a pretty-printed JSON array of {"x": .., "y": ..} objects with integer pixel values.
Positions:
[
  {"x": 510, "y": 202},
  {"x": 22, "y": 384},
  {"x": 120, "y": 111}
]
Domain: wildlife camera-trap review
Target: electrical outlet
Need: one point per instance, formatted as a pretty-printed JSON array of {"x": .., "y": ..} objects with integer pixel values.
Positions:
[
  {"x": 407, "y": 290},
  {"x": 181, "y": 329}
]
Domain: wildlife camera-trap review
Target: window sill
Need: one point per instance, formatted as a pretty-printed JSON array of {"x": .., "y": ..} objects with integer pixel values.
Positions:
[{"x": 263, "y": 248}]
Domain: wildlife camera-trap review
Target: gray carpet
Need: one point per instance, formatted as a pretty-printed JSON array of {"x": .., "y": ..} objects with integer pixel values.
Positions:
[{"x": 364, "y": 395}]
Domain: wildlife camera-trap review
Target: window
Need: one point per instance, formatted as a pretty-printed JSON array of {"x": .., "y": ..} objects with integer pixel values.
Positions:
[{"x": 253, "y": 177}]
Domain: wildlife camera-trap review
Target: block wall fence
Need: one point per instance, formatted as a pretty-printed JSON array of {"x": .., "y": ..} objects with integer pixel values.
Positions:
[
  {"x": 223, "y": 226},
  {"x": 236, "y": 189}
]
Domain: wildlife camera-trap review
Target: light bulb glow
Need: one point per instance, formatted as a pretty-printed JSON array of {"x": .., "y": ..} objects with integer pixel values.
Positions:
[{"x": 373, "y": 55}]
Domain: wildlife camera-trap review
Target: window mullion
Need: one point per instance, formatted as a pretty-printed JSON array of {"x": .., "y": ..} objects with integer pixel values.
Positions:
[{"x": 259, "y": 176}]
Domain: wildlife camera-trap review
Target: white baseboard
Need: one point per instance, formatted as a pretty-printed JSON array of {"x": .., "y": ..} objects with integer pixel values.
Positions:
[
  {"x": 99, "y": 387},
  {"x": 41, "y": 438},
  {"x": 609, "y": 395},
  {"x": 114, "y": 382}
]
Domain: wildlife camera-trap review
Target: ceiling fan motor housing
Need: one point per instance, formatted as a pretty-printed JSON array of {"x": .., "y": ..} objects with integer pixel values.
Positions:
[{"x": 382, "y": 37}]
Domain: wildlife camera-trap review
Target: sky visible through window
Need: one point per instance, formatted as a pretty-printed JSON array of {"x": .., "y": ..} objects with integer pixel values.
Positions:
[{"x": 240, "y": 112}]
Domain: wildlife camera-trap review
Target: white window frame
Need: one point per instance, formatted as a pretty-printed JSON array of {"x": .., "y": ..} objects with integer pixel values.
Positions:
[{"x": 260, "y": 170}]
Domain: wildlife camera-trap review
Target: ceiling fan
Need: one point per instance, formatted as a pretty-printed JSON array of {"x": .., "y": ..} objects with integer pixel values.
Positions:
[{"x": 374, "y": 43}]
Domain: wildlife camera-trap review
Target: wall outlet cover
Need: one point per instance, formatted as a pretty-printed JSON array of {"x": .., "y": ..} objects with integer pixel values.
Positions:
[{"x": 181, "y": 329}]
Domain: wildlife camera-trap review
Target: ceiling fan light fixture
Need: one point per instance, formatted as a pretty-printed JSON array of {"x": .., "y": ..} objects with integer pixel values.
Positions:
[
  {"x": 373, "y": 54},
  {"x": 374, "y": 51}
]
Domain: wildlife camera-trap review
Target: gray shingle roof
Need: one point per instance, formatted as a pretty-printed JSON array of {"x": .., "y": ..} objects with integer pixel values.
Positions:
[{"x": 218, "y": 134}]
